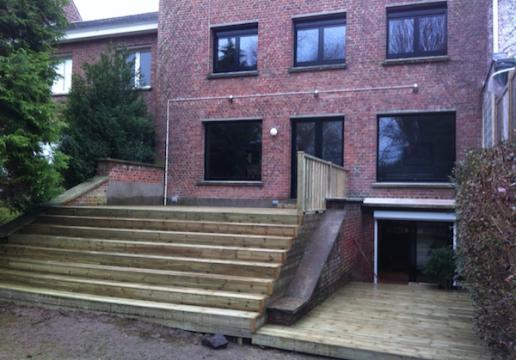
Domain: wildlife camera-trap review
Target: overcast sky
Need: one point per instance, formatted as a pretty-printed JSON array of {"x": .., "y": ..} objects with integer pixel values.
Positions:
[{"x": 101, "y": 9}]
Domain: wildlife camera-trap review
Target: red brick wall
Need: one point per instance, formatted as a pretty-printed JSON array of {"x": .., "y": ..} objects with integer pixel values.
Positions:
[
  {"x": 184, "y": 48},
  {"x": 89, "y": 52},
  {"x": 94, "y": 197},
  {"x": 125, "y": 171}
]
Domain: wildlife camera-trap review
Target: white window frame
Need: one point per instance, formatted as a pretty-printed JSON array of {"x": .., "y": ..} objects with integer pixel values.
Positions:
[
  {"x": 450, "y": 217},
  {"x": 137, "y": 67},
  {"x": 63, "y": 83}
]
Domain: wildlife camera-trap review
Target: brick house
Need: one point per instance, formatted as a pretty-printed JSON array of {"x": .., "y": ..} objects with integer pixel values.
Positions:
[{"x": 387, "y": 89}]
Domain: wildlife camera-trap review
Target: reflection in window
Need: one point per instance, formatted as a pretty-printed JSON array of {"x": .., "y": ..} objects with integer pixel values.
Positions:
[
  {"x": 417, "y": 32},
  {"x": 416, "y": 147},
  {"x": 233, "y": 150},
  {"x": 236, "y": 49},
  {"x": 320, "y": 42},
  {"x": 142, "y": 61}
]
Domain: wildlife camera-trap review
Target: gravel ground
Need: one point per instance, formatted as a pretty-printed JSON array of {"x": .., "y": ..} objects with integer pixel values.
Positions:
[{"x": 43, "y": 334}]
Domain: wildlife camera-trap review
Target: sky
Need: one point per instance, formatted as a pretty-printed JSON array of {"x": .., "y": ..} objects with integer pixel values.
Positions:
[{"x": 101, "y": 9}]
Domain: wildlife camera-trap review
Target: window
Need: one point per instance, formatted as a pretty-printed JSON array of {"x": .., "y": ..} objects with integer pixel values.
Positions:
[
  {"x": 233, "y": 150},
  {"x": 417, "y": 32},
  {"x": 236, "y": 49},
  {"x": 419, "y": 147},
  {"x": 142, "y": 72},
  {"x": 63, "y": 81},
  {"x": 320, "y": 41}
]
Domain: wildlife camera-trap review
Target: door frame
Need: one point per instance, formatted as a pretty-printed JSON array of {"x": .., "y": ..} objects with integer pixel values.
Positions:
[
  {"x": 428, "y": 216},
  {"x": 318, "y": 142}
]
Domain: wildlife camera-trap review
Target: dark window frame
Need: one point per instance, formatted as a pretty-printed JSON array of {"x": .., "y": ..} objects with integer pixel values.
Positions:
[
  {"x": 453, "y": 117},
  {"x": 318, "y": 142},
  {"x": 416, "y": 12},
  {"x": 236, "y": 31},
  {"x": 206, "y": 124},
  {"x": 319, "y": 23}
]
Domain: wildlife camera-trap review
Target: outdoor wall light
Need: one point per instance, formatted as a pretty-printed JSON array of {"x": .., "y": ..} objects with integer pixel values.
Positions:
[{"x": 274, "y": 131}]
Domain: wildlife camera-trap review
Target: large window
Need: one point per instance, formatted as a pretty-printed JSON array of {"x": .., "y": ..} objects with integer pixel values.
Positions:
[
  {"x": 142, "y": 60},
  {"x": 320, "y": 41},
  {"x": 233, "y": 150},
  {"x": 63, "y": 81},
  {"x": 416, "y": 148},
  {"x": 417, "y": 32},
  {"x": 236, "y": 49}
]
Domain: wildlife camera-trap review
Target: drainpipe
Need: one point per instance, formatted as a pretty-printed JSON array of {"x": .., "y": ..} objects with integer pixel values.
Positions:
[
  {"x": 167, "y": 140},
  {"x": 496, "y": 47}
]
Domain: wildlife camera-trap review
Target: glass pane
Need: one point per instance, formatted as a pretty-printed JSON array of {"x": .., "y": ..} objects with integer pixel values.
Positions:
[
  {"x": 234, "y": 151},
  {"x": 416, "y": 148},
  {"x": 305, "y": 137},
  {"x": 401, "y": 36},
  {"x": 248, "y": 50},
  {"x": 59, "y": 81},
  {"x": 432, "y": 33},
  {"x": 431, "y": 236},
  {"x": 307, "y": 45},
  {"x": 145, "y": 68},
  {"x": 334, "y": 42},
  {"x": 226, "y": 53},
  {"x": 131, "y": 58},
  {"x": 332, "y": 141}
]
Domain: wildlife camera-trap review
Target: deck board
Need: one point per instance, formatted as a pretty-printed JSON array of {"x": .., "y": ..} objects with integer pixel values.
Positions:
[{"x": 364, "y": 321}]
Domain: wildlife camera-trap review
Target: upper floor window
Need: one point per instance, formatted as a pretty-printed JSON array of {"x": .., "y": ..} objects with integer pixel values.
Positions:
[
  {"x": 236, "y": 49},
  {"x": 142, "y": 71},
  {"x": 320, "y": 41},
  {"x": 63, "y": 81},
  {"x": 417, "y": 32},
  {"x": 416, "y": 147}
]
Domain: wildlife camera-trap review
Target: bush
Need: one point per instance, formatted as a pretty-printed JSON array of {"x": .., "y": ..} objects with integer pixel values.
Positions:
[
  {"x": 486, "y": 196},
  {"x": 441, "y": 267}
]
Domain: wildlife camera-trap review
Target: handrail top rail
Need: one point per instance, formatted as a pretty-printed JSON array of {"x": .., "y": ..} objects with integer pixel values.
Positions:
[{"x": 315, "y": 158}]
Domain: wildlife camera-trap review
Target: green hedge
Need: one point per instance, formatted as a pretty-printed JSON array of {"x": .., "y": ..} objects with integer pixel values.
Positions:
[{"x": 486, "y": 205}]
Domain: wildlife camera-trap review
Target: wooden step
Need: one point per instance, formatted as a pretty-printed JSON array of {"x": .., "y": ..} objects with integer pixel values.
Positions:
[
  {"x": 148, "y": 276},
  {"x": 138, "y": 291},
  {"x": 256, "y": 241},
  {"x": 193, "y": 213},
  {"x": 172, "y": 225},
  {"x": 242, "y": 268},
  {"x": 187, "y": 317},
  {"x": 154, "y": 248}
]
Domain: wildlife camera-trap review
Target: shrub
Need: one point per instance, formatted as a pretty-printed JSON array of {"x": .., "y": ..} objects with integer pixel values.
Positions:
[
  {"x": 486, "y": 196},
  {"x": 441, "y": 267}
]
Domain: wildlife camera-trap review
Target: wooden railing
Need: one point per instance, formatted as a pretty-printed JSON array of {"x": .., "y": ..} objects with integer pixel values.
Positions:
[{"x": 318, "y": 180}]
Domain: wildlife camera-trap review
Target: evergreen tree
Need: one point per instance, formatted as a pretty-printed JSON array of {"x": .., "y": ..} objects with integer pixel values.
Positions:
[
  {"x": 107, "y": 117},
  {"x": 28, "y": 118}
]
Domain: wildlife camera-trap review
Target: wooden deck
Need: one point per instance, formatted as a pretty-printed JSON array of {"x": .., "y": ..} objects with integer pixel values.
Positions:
[{"x": 364, "y": 321}]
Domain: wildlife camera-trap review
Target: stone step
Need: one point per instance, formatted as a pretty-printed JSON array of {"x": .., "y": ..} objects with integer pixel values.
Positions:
[
  {"x": 138, "y": 291},
  {"x": 216, "y": 266},
  {"x": 172, "y": 225},
  {"x": 255, "y": 241},
  {"x": 192, "y": 213},
  {"x": 186, "y": 317},
  {"x": 141, "y": 275},
  {"x": 152, "y": 248}
]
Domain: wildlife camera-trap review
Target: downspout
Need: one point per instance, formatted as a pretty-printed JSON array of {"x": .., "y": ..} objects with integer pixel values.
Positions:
[
  {"x": 167, "y": 140},
  {"x": 496, "y": 47}
]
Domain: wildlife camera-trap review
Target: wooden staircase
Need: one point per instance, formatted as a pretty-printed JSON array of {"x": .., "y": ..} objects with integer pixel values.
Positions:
[{"x": 195, "y": 268}]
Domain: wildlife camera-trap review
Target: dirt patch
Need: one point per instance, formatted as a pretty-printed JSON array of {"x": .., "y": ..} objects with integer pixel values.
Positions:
[{"x": 44, "y": 334}]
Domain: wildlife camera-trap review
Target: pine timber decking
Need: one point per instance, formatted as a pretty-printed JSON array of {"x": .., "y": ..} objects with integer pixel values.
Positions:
[
  {"x": 202, "y": 269},
  {"x": 363, "y": 321}
]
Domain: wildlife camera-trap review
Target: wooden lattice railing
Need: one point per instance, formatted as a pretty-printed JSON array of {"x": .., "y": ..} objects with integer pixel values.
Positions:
[{"x": 318, "y": 180}]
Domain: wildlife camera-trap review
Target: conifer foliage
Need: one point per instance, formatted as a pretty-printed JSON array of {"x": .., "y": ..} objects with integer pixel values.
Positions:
[{"x": 107, "y": 117}]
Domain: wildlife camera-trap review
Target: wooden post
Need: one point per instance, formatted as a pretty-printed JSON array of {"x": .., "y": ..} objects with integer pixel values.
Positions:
[{"x": 301, "y": 181}]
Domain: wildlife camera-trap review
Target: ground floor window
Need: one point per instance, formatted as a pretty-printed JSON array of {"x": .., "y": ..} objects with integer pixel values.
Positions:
[
  {"x": 233, "y": 150},
  {"x": 404, "y": 248},
  {"x": 416, "y": 147}
]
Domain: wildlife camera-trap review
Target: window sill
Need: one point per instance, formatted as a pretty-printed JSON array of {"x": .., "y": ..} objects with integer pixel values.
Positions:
[
  {"x": 233, "y": 74},
  {"x": 416, "y": 60},
  {"x": 229, "y": 183},
  {"x": 417, "y": 185},
  {"x": 144, "y": 88},
  {"x": 57, "y": 95},
  {"x": 300, "y": 69}
]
